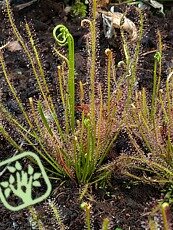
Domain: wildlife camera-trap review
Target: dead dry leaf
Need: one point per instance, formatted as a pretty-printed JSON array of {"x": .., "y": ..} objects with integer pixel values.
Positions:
[
  {"x": 13, "y": 46},
  {"x": 103, "y": 3}
]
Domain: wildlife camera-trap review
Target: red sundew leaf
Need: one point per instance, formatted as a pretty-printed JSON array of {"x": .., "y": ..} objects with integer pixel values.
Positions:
[{"x": 83, "y": 108}]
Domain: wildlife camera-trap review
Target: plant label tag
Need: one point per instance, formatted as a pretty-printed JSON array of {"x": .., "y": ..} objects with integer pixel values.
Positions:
[{"x": 23, "y": 182}]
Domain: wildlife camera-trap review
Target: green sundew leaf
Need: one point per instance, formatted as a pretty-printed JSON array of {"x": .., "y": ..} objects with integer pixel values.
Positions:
[
  {"x": 11, "y": 179},
  {"x": 37, "y": 175},
  {"x": 7, "y": 192},
  {"x": 157, "y": 56},
  {"x": 44, "y": 119},
  {"x": 36, "y": 183},
  {"x": 18, "y": 165},
  {"x": 11, "y": 169},
  {"x": 30, "y": 170},
  {"x": 5, "y": 184}
]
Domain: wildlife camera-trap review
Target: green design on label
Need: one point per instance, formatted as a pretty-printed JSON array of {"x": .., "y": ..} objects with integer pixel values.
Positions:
[{"x": 21, "y": 183}]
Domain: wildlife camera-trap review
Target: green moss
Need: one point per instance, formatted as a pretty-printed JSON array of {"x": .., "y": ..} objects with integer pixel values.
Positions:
[{"x": 79, "y": 9}]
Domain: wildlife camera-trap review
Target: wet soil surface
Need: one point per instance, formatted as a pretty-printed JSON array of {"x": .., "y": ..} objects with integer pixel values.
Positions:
[{"x": 124, "y": 203}]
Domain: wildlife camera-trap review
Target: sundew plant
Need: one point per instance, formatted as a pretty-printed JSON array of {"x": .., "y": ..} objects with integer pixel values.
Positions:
[
  {"x": 150, "y": 130},
  {"x": 74, "y": 147},
  {"x": 74, "y": 144}
]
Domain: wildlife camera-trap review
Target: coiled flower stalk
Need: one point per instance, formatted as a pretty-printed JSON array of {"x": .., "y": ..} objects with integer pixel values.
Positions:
[{"x": 63, "y": 37}]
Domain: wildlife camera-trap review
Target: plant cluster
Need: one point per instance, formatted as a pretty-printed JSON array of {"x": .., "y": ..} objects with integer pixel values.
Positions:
[
  {"x": 77, "y": 147},
  {"x": 150, "y": 123},
  {"x": 74, "y": 147}
]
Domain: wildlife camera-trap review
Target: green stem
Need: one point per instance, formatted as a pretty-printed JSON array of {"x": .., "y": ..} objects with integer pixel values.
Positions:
[
  {"x": 63, "y": 37},
  {"x": 165, "y": 212}
]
